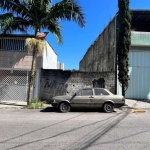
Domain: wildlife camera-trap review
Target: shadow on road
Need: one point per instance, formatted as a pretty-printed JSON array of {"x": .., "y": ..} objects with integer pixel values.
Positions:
[
  {"x": 51, "y": 109},
  {"x": 76, "y": 145}
]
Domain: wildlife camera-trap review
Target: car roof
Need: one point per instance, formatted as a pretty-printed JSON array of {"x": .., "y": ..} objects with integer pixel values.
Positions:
[{"x": 93, "y": 88}]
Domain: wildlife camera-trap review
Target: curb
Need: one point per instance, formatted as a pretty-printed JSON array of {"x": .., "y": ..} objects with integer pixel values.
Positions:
[
  {"x": 3, "y": 107},
  {"x": 21, "y": 107},
  {"x": 138, "y": 110}
]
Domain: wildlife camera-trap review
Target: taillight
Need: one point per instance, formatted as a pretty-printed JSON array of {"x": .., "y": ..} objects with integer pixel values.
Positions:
[{"x": 123, "y": 99}]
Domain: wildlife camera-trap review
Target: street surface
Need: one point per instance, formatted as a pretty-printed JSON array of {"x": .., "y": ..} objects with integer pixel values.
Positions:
[{"x": 24, "y": 129}]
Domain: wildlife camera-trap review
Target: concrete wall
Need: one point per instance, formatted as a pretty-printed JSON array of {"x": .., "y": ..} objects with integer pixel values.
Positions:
[
  {"x": 60, "y": 66},
  {"x": 49, "y": 58},
  {"x": 58, "y": 82},
  {"x": 17, "y": 60},
  {"x": 101, "y": 54}
]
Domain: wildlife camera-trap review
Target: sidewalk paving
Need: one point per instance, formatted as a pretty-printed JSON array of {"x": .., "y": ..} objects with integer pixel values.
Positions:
[
  {"x": 138, "y": 104},
  {"x": 16, "y": 104},
  {"x": 133, "y": 104}
]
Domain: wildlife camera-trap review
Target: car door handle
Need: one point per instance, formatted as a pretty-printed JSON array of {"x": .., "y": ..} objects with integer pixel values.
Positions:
[{"x": 91, "y": 97}]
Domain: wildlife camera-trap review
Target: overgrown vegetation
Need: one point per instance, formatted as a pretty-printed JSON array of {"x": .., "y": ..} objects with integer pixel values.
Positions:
[
  {"x": 36, "y": 104},
  {"x": 123, "y": 43}
]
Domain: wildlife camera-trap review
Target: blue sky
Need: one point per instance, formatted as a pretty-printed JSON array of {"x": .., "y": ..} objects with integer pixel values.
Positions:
[{"x": 77, "y": 40}]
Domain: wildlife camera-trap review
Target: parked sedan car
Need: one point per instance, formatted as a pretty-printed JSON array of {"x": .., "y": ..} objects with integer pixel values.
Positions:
[{"x": 89, "y": 98}]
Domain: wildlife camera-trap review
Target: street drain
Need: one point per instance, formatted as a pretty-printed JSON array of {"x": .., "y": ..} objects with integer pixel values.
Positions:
[{"x": 138, "y": 110}]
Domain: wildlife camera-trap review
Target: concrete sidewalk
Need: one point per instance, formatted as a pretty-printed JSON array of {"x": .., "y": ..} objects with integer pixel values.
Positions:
[
  {"x": 12, "y": 104},
  {"x": 16, "y": 104},
  {"x": 137, "y": 104}
]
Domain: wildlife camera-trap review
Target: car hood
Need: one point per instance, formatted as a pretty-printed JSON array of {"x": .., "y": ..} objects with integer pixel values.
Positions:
[{"x": 63, "y": 97}]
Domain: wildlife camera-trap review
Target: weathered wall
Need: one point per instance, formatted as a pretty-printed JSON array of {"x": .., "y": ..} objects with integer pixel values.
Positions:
[
  {"x": 17, "y": 60},
  {"x": 101, "y": 54},
  {"x": 58, "y": 82}
]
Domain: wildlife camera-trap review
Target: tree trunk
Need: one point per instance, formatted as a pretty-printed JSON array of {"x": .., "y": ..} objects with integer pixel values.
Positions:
[
  {"x": 123, "y": 90},
  {"x": 32, "y": 74}
]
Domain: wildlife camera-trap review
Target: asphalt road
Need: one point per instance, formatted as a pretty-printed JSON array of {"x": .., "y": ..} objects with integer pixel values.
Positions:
[{"x": 23, "y": 129}]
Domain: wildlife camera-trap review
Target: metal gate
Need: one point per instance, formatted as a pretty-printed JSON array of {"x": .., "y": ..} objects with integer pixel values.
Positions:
[
  {"x": 14, "y": 84},
  {"x": 139, "y": 72}
]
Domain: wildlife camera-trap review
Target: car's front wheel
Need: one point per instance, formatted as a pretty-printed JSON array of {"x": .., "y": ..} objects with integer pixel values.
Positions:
[
  {"x": 108, "y": 107},
  {"x": 64, "y": 107}
]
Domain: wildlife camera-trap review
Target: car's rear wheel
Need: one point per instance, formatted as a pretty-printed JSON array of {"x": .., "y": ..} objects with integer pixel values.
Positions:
[
  {"x": 108, "y": 107},
  {"x": 64, "y": 107}
]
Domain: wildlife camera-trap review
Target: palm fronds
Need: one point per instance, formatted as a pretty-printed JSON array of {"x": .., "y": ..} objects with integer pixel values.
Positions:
[{"x": 40, "y": 14}]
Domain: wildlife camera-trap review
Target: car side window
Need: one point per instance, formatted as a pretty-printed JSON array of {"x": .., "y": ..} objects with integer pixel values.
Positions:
[
  {"x": 85, "y": 92},
  {"x": 79, "y": 93},
  {"x": 100, "y": 92}
]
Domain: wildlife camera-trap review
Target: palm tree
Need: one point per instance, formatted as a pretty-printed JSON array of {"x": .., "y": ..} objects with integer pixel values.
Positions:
[
  {"x": 20, "y": 15},
  {"x": 35, "y": 47}
]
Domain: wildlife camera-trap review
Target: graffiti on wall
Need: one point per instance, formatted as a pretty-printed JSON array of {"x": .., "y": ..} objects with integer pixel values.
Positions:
[{"x": 52, "y": 87}]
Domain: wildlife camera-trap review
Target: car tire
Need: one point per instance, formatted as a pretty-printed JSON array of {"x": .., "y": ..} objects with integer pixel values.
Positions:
[
  {"x": 64, "y": 107},
  {"x": 108, "y": 107}
]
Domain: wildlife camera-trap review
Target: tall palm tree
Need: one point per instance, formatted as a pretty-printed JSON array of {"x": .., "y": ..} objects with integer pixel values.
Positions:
[{"x": 21, "y": 15}]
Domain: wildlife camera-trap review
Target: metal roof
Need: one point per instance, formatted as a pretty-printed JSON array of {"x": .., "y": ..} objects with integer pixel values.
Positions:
[{"x": 140, "y": 20}]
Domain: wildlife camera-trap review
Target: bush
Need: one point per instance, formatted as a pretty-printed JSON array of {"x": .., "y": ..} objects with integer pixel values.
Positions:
[{"x": 36, "y": 104}]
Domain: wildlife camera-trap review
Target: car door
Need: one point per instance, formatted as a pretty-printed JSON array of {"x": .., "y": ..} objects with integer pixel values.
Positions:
[
  {"x": 99, "y": 97},
  {"x": 82, "y": 98}
]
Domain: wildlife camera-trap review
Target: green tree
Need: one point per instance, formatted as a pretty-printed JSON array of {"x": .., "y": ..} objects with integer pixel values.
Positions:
[
  {"x": 20, "y": 15},
  {"x": 123, "y": 43}
]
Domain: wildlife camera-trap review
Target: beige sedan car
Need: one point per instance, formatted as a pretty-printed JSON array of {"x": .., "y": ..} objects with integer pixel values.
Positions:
[{"x": 89, "y": 98}]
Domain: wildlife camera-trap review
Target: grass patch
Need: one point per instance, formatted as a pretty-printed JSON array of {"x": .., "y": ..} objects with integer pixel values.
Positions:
[{"x": 36, "y": 104}]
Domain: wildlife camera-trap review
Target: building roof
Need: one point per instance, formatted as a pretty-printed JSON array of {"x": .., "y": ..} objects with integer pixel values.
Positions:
[
  {"x": 140, "y": 20},
  {"x": 141, "y": 15}
]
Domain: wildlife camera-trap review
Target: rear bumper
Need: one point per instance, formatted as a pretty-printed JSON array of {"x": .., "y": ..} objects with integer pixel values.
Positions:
[{"x": 118, "y": 105}]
